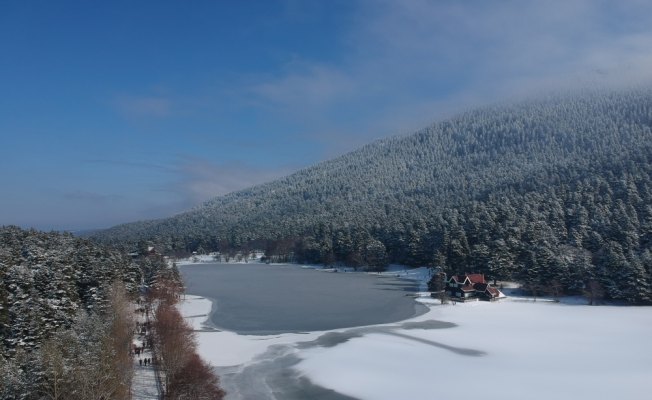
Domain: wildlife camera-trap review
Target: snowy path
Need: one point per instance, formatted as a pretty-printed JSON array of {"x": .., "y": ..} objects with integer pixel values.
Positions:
[{"x": 144, "y": 385}]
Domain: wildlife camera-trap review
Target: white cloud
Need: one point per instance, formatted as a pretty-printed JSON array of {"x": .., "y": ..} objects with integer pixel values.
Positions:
[
  {"x": 413, "y": 60},
  {"x": 201, "y": 180},
  {"x": 316, "y": 86}
]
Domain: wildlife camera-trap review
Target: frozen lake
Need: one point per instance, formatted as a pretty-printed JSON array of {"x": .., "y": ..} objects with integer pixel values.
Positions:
[
  {"x": 510, "y": 348},
  {"x": 265, "y": 299}
]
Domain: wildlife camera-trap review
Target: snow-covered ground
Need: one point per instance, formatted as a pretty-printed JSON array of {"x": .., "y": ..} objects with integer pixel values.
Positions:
[
  {"x": 200, "y": 258},
  {"x": 215, "y": 257},
  {"x": 503, "y": 350},
  {"x": 515, "y": 350},
  {"x": 144, "y": 385},
  {"x": 195, "y": 310}
]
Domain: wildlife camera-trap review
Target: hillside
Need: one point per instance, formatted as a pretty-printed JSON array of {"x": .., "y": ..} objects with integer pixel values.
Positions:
[{"x": 557, "y": 189}]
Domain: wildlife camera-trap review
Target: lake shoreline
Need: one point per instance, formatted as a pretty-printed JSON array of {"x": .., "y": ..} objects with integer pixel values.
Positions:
[{"x": 261, "y": 299}]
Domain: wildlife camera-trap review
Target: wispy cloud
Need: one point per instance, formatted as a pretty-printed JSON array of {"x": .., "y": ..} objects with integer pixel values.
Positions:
[
  {"x": 91, "y": 197},
  {"x": 185, "y": 182},
  {"x": 314, "y": 85},
  {"x": 130, "y": 164},
  {"x": 491, "y": 43},
  {"x": 410, "y": 61},
  {"x": 200, "y": 179},
  {"x": 130, "y": 106}
]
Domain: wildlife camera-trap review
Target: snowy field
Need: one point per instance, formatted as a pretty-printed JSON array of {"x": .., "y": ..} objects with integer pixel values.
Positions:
[
  {"x": 525, "y": 350},
  {"x": 504, "y": 350}
]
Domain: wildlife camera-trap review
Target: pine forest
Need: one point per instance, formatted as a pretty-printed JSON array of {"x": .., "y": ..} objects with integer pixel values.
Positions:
[{"x": 556, "y": 190}]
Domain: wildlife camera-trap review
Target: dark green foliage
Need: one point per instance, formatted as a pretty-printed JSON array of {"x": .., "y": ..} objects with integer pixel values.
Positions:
[
  {"x": 557, "y": 190},
  {"x": 47, "y": 278}
]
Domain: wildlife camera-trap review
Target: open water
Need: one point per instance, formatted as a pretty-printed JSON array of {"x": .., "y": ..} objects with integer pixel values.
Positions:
[{"x": 263, "y": 299}]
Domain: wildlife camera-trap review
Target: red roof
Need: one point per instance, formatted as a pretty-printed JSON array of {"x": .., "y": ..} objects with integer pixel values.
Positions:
[
  {"x": 474, "y": 278},
  {"x": 467, "y": 288}
]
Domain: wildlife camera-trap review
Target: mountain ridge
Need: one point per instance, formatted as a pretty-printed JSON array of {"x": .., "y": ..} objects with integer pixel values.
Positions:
[{"x": 401, "y": 199}]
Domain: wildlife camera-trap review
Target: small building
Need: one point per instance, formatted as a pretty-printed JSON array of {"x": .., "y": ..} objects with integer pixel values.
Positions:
[{"x": 467, "y": 287}]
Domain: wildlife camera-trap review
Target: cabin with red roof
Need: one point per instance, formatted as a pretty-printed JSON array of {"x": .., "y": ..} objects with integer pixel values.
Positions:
[{"x": 465, "y": 287}]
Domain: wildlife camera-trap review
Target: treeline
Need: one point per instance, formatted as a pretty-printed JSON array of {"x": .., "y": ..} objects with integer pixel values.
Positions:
[
  {"x": 66, "y": 320},
  {"x": 550, "y": 190},
  {"x": 187, "y": 376},
  {"x": 48, "y": 279},
  {"x": 89, "y": 359}
]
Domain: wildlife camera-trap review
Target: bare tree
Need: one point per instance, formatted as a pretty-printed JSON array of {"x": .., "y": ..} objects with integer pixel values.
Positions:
[
  {"x": 117, "y": 343},
  {"x": 195, "y": 380},
  {"x": 55, "y": 383},
  {"x": 175, "y": 340},
  {"x": 186, "y": 375},
  {"x": 594, "y": 292},
  {"x": 555, "y": 289},
  {"x": 437, "y": 287}
]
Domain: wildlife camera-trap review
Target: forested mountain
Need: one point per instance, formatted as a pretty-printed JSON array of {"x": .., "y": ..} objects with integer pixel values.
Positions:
[{"x": 554, "y": 190}]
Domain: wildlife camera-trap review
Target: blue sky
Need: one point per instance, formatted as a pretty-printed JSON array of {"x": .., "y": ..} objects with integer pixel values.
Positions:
[{"x": 114, "y": 111}]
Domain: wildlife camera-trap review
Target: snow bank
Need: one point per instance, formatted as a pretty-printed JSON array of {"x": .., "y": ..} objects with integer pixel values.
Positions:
[
  {"x": 197, "y": 259},
  {"x": 216, "y": 258},
  {"x": 420, "y": 275},
  {"x": 196, "y": 310}
]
